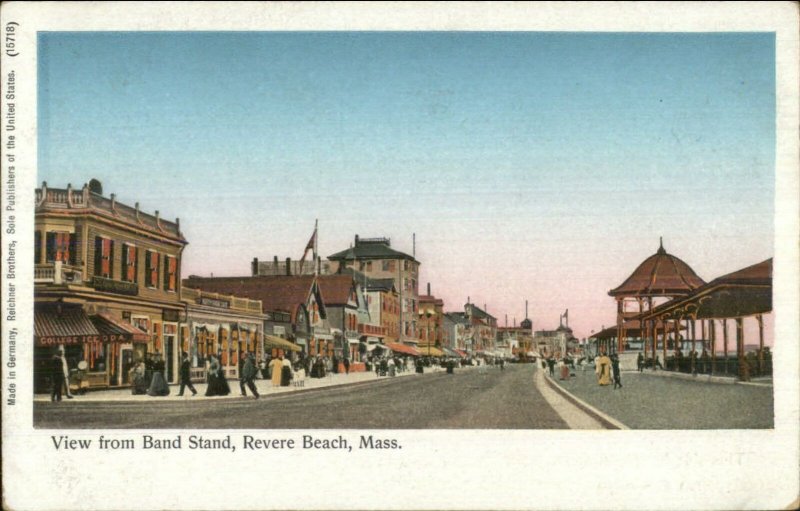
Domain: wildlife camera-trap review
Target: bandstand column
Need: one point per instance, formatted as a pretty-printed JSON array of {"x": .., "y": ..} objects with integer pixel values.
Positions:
[
  {"x": 740, "y": 348},
  {"x": 713, "y": 334},
  {"x": 760, "y": 319},
  {"x": 725, "y": 342}
]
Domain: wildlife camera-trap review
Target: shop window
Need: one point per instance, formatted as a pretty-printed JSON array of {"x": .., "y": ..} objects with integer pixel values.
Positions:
[
  {"x": 170, "y": 273},
  {"x": 151, "y": 268},
  {"x": 60, "y": 247},
  {"x": 129, "y": 263},
  {"x": 103, "y": 257}
]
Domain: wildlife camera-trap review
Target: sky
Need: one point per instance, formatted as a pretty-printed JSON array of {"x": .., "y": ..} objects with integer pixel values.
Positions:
[{"x": 530, "y": 165}]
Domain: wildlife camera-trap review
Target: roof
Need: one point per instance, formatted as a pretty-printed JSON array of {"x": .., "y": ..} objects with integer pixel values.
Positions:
[
  {"x": 370, "y": 284},
  {"x": 67, "y": 201},
  {"x": 661, "y": 274},
  {"x": 277, "y": 292},
  {"x": 744, "y": 292},
  {"x": 430, "y": 299},
  {"x": 335, "y": 289},
  {"x": 479, "y": 313},
  {"x": 379, "y": 248}
]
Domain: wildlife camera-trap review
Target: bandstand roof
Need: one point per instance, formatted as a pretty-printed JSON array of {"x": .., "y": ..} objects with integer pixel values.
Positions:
[
  {"x": 745, "y": 292},
  {"x": 661, "y": 274}
]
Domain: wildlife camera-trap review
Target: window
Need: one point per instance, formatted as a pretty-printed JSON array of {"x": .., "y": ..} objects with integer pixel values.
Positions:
[
  {"x": 151, "y": 268},
  {"x": 103, "y": 257},
  {"x": 369, "y": 265},
  {"x": 37, "y": 247},
  {"x": 385, "y": 266},
  {"x": 170, "y": 273},
  {"x": 60, "y": 247},
  {"x": 129, "y": 263}
]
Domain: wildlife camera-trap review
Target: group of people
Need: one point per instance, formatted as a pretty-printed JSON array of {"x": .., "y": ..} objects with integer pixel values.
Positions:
[{"x": 607, "y": 367}]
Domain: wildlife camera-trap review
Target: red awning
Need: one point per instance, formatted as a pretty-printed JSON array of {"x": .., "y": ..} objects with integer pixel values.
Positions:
[
  {"x": 120, "y": 331},
  {"x": 71, "y": 326},
  {"x": 402, "y": 348}
]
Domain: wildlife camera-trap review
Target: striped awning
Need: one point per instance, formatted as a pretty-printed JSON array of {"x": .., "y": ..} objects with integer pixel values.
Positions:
[
  {"x": 276, "y": 342},
  {"x": 402, "y": 348},
  {"x": 71, "y": 326}
]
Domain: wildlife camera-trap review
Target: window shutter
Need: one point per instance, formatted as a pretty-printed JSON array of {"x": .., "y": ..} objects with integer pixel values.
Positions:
[
  {"x": 73, "y": 249},
  {"x": 98, "y": 255},
  {"x": 106, "y": 258}
]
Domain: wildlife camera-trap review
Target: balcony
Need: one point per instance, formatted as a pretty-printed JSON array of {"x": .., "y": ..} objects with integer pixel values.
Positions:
[
  {"x": 375, "y": 330},
  {"x": 57, "y": 273}
]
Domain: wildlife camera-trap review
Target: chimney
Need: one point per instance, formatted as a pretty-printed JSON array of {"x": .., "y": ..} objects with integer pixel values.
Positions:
[
  {"x": 255, "y": 266},
  {"x": 178, "y": 224},
  {"x": 158, "y": 215},
  {"x": 429, "y": 289},
  {"x": 288, "y": 266},
  {"x": 526, "y": 309},
  {"x": 356, "y": 239},
  {"x": 114, "y": 204}
]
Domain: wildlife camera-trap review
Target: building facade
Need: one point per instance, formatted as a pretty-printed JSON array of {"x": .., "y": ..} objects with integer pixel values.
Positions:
[
  {"x": 375, "y": 258},
  {"x": 107, "y": 284}
]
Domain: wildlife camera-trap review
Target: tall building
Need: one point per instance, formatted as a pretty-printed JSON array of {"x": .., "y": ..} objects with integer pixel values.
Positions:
[
  {"x": 107, "y": 284},
  {"x": 375, "y": 258}
]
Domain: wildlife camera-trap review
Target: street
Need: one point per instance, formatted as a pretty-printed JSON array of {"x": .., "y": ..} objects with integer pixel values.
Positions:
[{"x": 469, "y": 399}]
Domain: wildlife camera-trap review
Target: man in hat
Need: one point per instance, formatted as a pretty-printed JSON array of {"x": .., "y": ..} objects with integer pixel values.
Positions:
[
  {"x": 248, "y": 375},
  {"x": 185, "y": 376}
]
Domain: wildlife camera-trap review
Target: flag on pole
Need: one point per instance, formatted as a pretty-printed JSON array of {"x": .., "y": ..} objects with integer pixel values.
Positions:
[{"x": 311, "y": 245}]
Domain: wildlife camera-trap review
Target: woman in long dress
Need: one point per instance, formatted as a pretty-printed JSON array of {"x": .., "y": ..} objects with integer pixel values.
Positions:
[
  {"x": 217, "y": 383},
  {"x": 158, "y": 386},
  {"x": 276, "y": 366},
  {"x": 604, "y": 370},
  {"x": 286, "y": 372}
]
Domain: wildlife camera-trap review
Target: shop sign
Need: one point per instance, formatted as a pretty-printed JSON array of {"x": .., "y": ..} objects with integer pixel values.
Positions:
[
  {"x": 115, "y": 286},
  {"x": 171, "y": 315},
  {"x": 81, "y": 339},
  {"x": 213, "y": 302}
]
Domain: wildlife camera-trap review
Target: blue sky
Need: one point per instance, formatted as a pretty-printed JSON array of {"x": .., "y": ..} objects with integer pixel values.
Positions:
[{"x": 530, "y": 165}]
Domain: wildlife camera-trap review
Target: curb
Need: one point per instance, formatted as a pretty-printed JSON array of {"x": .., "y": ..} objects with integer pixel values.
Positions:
[
  {"x": 604, "y": 419},
  {"x": 233, "y": 397},
  {"x": 726, "y": 380}
]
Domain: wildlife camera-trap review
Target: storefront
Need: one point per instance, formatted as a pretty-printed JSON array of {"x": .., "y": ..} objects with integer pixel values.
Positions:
[{"x": 107, "y": 345}]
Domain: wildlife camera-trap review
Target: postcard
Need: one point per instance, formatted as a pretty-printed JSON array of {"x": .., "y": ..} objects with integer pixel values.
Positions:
[{"x": 400, "y": 256}]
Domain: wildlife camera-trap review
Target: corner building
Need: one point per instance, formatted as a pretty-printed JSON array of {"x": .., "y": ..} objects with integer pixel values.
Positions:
[{"x": 106, "y": 285}]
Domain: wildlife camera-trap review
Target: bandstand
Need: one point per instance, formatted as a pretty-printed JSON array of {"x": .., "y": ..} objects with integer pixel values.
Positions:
[{"x": 658, "y": 279}]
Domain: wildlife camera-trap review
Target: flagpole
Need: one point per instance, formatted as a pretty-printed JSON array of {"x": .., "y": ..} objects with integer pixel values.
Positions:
[{"x": 316, "y": 239}]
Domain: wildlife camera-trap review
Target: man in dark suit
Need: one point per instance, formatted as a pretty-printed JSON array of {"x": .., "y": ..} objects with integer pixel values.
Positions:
[
  {"x": 185, "y": 376},
  {"x": 57, "y": 373},
  {"x": 247, "y": 374}
]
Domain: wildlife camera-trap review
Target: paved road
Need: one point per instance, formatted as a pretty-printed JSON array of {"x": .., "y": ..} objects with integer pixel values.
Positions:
[
  {"x": 648, "y": 401},
  {"x": 469, "y": 399}
]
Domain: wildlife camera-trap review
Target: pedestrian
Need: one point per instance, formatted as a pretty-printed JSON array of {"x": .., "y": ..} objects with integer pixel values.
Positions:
[
  {"x": 603, "y": 370},
  {"x": 65, "y": 370},
  {"x": 57, "y": 373},
  {"x": 137, "y": 377},
  {"x": 392, "y": 367},
  {"x": 185, "y": 376},
  {"x": 551, "y": 364},
  {"x": 276, "y": 366},
  {"x": 346, "y": 366},
  {"x": 158, "y": 385},
  {"x": 640, "y": 362},
  {"x": 248, "y": 375},
  {"x": 217, "y": 383},
  {"x": 286, "y": 372},
  {"x": 616, "y": 371}
]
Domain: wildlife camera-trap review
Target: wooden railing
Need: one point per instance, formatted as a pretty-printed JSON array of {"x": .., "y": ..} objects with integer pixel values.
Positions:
[{"x": 57, "y": 273}]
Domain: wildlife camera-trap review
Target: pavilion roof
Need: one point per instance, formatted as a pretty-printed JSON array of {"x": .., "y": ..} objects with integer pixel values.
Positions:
[
  {"x": 744, "y": 292},
  {"x": 661, "y": 274}
]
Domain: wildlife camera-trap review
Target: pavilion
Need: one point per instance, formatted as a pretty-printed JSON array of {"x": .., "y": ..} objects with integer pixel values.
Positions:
[
  {"x": 743, "y": 294},
  {"x": 659, "y": 278}
]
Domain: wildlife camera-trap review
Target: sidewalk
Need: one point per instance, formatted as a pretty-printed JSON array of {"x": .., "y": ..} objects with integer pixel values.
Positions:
[{"x": 265, "y": 388}]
